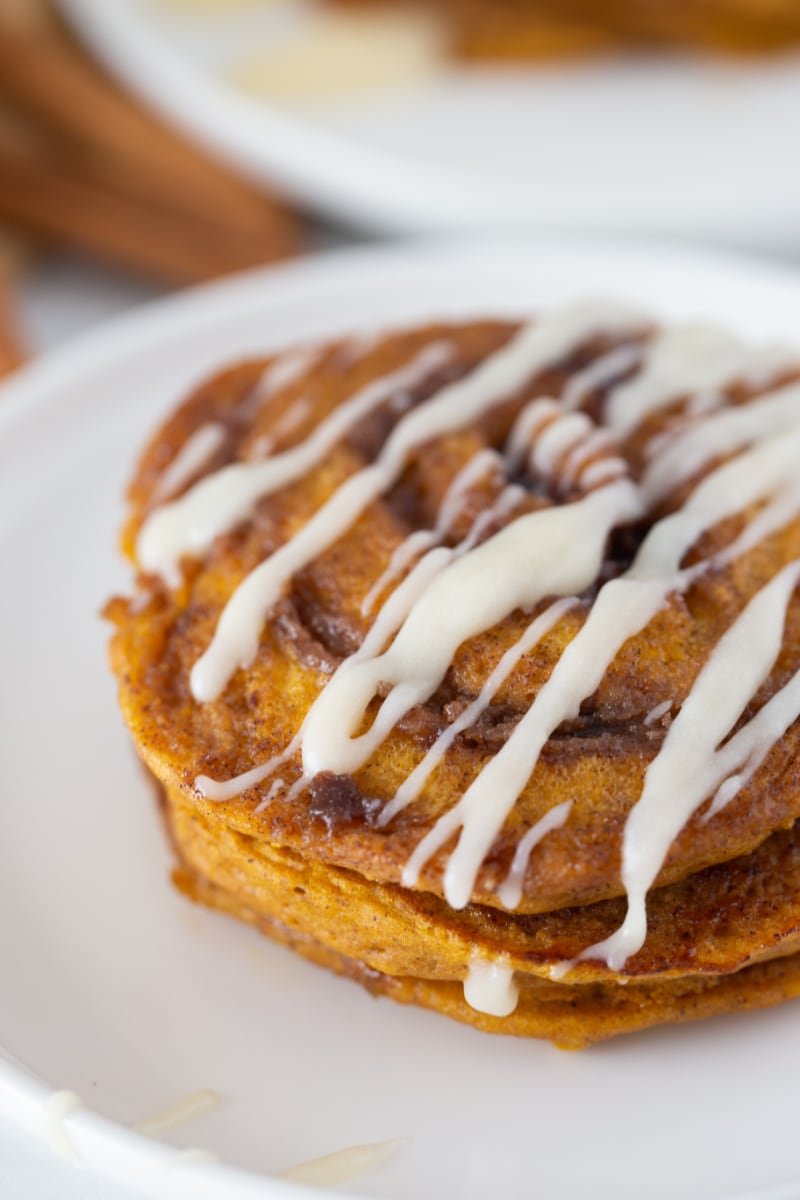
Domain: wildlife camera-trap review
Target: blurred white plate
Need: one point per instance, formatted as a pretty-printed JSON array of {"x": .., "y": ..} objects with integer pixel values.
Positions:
[
  {"x": 698, "y": 146},
  {"x": 116, "y": 987}
]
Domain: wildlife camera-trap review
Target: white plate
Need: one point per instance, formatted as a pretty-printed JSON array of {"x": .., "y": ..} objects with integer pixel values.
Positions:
[
  {"x": 691, "y": 146},
  {"x": 116, "y": 987}
]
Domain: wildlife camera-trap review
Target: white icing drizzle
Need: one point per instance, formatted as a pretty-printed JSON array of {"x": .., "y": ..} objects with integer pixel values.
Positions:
[
  {"x": 414, "y": 783},
  {"x": 218, "y": 503},
  {"x": 391, "y": 616},
  {"x": 294, "y": 416},
  {"x": 557, "y": 439},
  {"x": 403, "y": 555},
  {"x": 773, "y": 516},
  {"x": 422, "y": 539},
  {"x": 394, "y": 611},
  {"x": 187, "y": 1108},
  {"x": 489, "y": 987},
  {"x": 344, "y": 1165},
  {"x": 551, "y": 552},
  {"x": 596, "y": 443},
  {"x": 510, "y": 890},
  {"x": 689, "y": 766},
  {"x": 235, "y": 641},
  {"x": 282, "y": 373},
  {"x": 533, "y": 418},
  {"x": 563, "y": 446},
  {"x": 190, "y": 460},
  {"x": 686, "y": 360},
  {"x": 558, "y": 970},
  {"x": 57, "y": 1107},
  {"x": 275, "y": 787},
  {"x": 622, "y": 609},
  {"x": 509, "y": 499},
  {"x": 485, "y": 462},
  {"x": 658, "y": 712},
  {"x": 722, "y": 434},
  {"x": 703, "y": 403},
  {"x": 221, "y": 790},
  {"x": 600, "y": 373},
  {"x": 402, "y": 600},
  {"x": 603, "y": 471}
]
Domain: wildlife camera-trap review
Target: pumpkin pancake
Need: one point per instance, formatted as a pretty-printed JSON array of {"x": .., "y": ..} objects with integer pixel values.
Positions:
[{"x": 467, "y": 659}]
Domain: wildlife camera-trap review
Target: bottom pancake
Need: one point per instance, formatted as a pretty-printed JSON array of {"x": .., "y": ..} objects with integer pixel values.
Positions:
[
  {"x": 570, "y": 1016},
  {"x": 412, "y": 947}
]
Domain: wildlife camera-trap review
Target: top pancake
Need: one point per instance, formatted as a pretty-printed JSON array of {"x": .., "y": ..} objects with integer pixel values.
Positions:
[{"x": 597, "y": 760}]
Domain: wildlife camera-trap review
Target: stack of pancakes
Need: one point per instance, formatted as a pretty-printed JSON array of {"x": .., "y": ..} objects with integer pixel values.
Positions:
[
  {"x": 313, "y": 854},
  {"x": 537, "y": 29}
]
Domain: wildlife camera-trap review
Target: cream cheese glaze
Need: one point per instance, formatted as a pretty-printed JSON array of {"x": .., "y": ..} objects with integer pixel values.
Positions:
[{"x": 438, "y": 596}]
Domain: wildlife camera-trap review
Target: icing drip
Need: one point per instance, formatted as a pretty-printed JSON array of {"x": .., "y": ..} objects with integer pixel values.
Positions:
[
  {"x": 689, "y": 766},
  {"x": 235, "y": 641},
  {"x": 218, "y": 503},
  {"x": 658, "y": 712},
  {"x": 686, "y": 360},
  {"x": 490, "y": 988},
  {"x": 558, "y": 970},
  {"x": 510, "y": 891},
  {"x": 190, "y": 460}
]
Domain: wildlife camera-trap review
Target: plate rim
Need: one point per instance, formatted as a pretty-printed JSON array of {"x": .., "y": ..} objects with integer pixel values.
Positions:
[{"x": 356, "y": 182}]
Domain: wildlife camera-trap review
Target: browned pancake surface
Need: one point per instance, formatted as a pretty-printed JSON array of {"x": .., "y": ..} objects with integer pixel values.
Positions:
[{"x": 597, "y": 761}]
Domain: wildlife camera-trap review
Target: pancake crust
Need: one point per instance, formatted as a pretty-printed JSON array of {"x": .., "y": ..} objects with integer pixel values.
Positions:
[{"x": 314, "y": 865}]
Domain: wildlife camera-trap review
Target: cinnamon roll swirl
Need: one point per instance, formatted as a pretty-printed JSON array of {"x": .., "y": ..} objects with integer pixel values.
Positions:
[{"x": 467, "y": 661}]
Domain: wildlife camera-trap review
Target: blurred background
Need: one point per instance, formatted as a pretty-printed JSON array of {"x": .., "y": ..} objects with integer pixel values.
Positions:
[{"x": 146, "y": 145}]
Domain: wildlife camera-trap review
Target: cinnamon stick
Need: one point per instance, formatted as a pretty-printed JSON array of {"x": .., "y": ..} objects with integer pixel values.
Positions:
[
  {"x": 47, "y": 198},
  {"x": 102, "y": 137},
  {"x": 12, "y": 352}
]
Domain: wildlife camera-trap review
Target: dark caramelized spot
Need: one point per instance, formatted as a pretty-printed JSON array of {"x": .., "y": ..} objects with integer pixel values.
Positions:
[{"x": 337, "y": 801}]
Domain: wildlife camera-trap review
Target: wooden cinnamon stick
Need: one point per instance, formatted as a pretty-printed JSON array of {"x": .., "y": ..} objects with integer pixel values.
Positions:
[
  {"x": 47, "y": 198},
  {"x": 12, "y": 351},
  {"x": 50, "y": 79}
]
